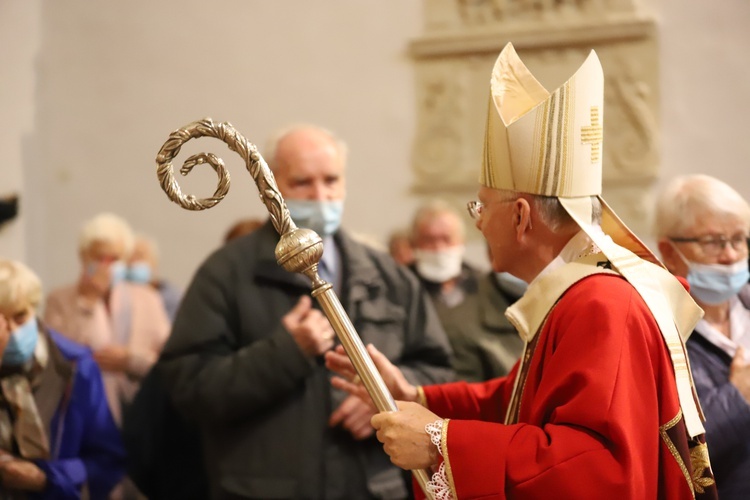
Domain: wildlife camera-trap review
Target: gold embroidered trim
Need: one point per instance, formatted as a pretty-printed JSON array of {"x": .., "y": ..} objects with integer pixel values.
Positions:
[
  {"x": 673, "y": 450},
  {"x": 700, "y": 461},
  {"x": 488, "y": 173},
  {"x": 446, "y": 458},
  {"x": 421, "y": 398},
  {"x": 564, "y": 154},
  {"x": 541, "y": 170},
  {"x": 510, "y": 411},
  {"x": 514, "y": 408}
]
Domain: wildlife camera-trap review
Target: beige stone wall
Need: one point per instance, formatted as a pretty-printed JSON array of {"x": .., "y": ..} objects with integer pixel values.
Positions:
[
  {"x": 89, "y": 95},
  {"x": 19, "y": 43},
  {"x": 110, "y": 83}
]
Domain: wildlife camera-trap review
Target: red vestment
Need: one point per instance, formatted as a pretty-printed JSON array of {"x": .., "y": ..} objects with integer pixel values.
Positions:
[{"x": 598, "y": 413}]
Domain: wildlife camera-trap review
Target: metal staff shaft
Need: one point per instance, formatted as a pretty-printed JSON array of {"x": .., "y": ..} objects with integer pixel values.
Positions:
[
  {"x": 299, "y": 250},
  {"x": 352, "y": 343},
  {"x": 362, "y": 361}
]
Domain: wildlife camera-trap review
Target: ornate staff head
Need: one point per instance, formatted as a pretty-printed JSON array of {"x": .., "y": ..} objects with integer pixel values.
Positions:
[{"x": 299, "y": 250}]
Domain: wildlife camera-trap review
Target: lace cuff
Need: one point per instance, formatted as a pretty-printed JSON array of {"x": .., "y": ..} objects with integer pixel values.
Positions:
[
  {"x": 435, "y": 430},
  {"x": 438, "y": 486}
]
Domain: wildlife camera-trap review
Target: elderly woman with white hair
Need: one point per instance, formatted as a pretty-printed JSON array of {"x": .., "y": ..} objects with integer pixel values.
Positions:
[
  {"x": 703, "y": 226},
  {"x": 57, "y": 435},
  {"x": 124, "y": 323}
]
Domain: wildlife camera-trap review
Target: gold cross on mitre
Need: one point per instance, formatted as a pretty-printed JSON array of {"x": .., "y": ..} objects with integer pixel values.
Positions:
[{"x": 593, "y": 135}]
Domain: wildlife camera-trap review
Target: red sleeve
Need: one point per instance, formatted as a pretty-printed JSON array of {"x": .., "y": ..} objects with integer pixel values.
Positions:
[
  {"x": 590, "y": 405},
  {"x": 485, "y": 401}
]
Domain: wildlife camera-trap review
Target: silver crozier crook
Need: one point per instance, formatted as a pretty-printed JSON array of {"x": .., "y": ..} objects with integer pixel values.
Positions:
[{"x": 298, "y": 251}]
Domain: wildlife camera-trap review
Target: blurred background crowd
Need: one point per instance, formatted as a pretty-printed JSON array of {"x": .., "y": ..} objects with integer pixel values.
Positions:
[{"x": 151, "y": 352}]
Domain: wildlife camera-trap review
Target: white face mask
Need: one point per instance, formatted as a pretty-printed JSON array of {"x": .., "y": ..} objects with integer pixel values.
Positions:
[{"x": 439, "y": 266}]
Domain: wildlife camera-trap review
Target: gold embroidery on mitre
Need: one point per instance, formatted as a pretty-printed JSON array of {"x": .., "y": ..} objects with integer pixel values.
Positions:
[
  {"x": 564, "y": 153},
  {"x": 594, "y": 135},
  {"x": 487, "y": 177},
  {"x": 531, "y": 142},
  {"x": 544, "y": 127},
  {"x": 553, "y": 164},
  {"x": 700, "y": 460}
]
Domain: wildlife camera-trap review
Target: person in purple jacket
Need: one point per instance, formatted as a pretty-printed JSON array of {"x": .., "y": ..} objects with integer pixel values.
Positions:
[{"x": 58, "y": 439}]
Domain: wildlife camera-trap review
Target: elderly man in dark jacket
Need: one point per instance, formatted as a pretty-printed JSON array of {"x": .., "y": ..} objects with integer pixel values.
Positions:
[
  {"x": 245, "y": 356},
  {"x": 470, "y": 304}
]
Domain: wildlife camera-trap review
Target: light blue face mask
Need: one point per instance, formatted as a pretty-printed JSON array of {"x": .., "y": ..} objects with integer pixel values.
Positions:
[
  {"x": 715, "y": 283},
  {"x": 21, "y": 344},
  {"x": 117, "y": 271},
  {"x": 323, "y": 217},
  {"x": 139, "y": 272}
]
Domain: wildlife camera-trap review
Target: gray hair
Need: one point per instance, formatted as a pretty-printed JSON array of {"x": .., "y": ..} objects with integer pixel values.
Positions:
[
  {"x": 18, "y": 285},
  {"x": 107, "y": 227},
  {"x": 688, "y": 197},
  {"x": 272, "y": 145},
  {"x": 551, "y": 211},
  {"x": 434, "y": 208}
]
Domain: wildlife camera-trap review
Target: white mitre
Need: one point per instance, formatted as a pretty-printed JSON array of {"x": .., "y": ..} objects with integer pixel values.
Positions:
[{"x": 550, "y": 144}]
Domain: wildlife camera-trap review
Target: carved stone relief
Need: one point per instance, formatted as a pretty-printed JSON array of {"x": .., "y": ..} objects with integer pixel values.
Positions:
[
  {"x": 452, "y": 14},
  {"x": 453, "y": 61}
]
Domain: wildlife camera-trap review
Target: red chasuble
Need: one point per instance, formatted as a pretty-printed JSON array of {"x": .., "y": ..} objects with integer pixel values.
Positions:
[{"x": 596, "y": 414}]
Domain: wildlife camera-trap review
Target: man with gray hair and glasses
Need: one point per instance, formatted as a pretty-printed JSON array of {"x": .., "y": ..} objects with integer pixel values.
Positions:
[
  {"x": 601, "y": 403},
  {"x": 703, "y": 225}
]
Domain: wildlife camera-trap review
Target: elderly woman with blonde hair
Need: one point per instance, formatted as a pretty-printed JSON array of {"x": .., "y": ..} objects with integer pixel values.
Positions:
[
  {"x": 703, "y": 226},
  {"x": 57, "y": 436},
  {"x": 124, "y": 323}
]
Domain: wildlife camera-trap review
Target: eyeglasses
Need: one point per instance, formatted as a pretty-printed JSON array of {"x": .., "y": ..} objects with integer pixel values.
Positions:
[
  {"x": 475, "y": 209},
  {"x": 714, "y": 245}
]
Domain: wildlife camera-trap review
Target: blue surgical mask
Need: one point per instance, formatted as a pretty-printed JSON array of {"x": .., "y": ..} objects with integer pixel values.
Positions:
[
  {"x": 21, "y": 344},
  {"x": 139, "y": 272},
  {"x": 323, "y": 217},
  {"x": 117, "y": 273},
  {"x": 715, "y": 283}
]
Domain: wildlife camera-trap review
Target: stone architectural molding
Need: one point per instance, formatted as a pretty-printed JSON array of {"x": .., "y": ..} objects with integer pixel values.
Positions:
[{"x": 453, "y": 59}]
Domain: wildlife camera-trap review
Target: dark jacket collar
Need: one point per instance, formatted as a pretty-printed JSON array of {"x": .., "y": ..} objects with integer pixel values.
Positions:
[
  {"x": 359, "y": 271},
  {"x": 696, "y": 339},
  {"x": 493, "y": 303}
]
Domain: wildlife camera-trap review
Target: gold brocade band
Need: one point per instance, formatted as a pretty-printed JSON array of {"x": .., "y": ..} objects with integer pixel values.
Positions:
[
  {"x": 421, "y": 398},
  {"x": 446, "y": 458}
]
